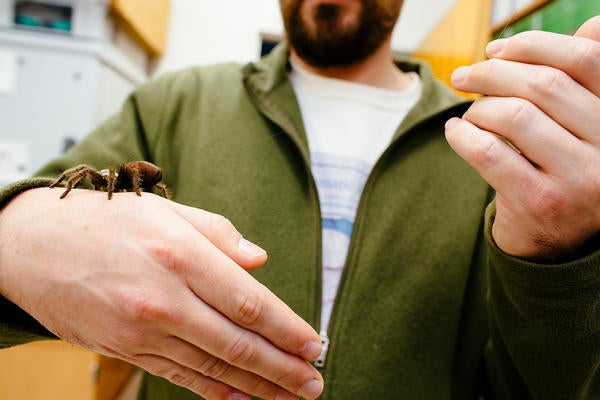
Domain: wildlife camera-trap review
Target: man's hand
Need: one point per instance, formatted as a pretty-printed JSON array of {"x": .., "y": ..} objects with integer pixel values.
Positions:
[
  {"x": 159, "y": 285},
  {"x": 544, "y": 98}
]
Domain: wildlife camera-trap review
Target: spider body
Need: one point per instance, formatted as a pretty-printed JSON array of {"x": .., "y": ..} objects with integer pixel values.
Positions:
[{"x": 135, "y": 175}]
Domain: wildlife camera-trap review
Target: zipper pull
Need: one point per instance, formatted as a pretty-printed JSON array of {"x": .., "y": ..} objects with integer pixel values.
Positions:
[{"x": 320, "y": 361}]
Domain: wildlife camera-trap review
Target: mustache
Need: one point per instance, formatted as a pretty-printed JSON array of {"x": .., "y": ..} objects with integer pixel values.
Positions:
[{"x": 327, "y": 12}]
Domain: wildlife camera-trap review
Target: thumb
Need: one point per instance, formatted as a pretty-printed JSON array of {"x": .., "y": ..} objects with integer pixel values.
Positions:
[
  {"x": 221, "y": 232},
  {"x": 590, "y": 29}
]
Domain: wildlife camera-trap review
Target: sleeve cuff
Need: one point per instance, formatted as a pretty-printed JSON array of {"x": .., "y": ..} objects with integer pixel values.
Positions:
[
  {"x": 583, "y": 272},
  {"x": 9, "y": 192}
]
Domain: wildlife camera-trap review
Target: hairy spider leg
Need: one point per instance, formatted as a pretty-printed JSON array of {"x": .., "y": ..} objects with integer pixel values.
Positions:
[
  {"x": 97, "y": 179},
  {"x": 111, "y": 180},
  {"x": 76, "y": 175},
  {"x": 163, "y": 189},
  {"x": 68, "y": 173}
]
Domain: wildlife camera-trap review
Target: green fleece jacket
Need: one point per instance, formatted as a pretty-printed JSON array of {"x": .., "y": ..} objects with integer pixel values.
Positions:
[{"x": 428, "y": 307}]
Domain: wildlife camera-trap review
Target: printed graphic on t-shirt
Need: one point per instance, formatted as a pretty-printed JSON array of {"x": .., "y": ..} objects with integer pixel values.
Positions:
[{"x": 340, "y": 181}]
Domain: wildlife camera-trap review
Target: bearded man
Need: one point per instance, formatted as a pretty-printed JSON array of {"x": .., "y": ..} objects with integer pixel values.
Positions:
[{"x": 389, "y": 269}]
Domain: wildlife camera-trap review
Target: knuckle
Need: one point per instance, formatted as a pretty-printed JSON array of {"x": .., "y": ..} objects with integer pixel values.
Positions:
[
  {"x": 289, "y": 374},
  {"x": 141, "y": 305},
  {"x": 548, "y": 80},
  {"x": 588, "y": 176},
  {"x": 155, "y": 366},
  {"x": 594, "y": 185},
  {"x": 482, "y": 70},
  {"x": 219, "y": 223},
  {"x": 485, "y": 152},
  {"x": 521, "y": 113},
  {"x": 214, "y": 368},
  {"x": 523, "y": 42},
  {"x": 242, "y": 351},
  {"x": 166, "y": 251},
  {"x": 181, "y": 377},
  {"x": 221, "y": 231},
  {"x": 587, "y": 55},
  {"x": 176, "y": 374},
  {"x": 549, "y": 201},
  {"x": 248, "y": 308}
]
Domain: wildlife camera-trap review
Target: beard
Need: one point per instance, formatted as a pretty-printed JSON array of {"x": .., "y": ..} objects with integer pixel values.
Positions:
[{"x": 325, "y": 36}]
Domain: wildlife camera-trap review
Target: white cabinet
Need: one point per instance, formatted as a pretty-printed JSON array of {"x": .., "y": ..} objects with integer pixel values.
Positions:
[{"x": 56, "y": 87}]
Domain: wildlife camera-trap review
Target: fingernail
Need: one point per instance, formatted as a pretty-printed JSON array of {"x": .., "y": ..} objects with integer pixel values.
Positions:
[
  {"x": 311, "y": 389},
  {"x": 250, "y": 248},
  {"x": 311, "y": 350},
  {"x": 451, "y": 123},
  {"x": 460, "y": 74},
  {"x": 495, "y": 47}
]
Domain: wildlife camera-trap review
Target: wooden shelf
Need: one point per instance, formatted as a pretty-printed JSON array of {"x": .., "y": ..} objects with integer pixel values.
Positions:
[
  {"x": 530, "y": 9},
  {"x": 147, "y": 20}
]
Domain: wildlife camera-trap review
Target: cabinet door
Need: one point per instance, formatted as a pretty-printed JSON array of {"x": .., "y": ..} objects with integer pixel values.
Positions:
[
  {"x": 49, "y": 370},
  {"x": 52, "y": 96}
]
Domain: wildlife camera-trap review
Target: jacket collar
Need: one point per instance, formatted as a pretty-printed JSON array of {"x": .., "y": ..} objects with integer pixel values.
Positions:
[
  {"x": 269, "y": 86},
  {"x": 271, "y": 91},
  {"x": 436, "y": 97}
]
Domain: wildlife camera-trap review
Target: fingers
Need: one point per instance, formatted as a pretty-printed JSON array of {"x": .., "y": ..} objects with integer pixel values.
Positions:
[
  {"x": 186, "y": 377},
  {"x": 235, "y": 318},
  {"x": 590, "y": 29},
  {"x": 245, "y": 350},
  {"x": 208, "y": 342},
  {"x": 221, "y": 232},
  {"x": 558, "y": 74},
  {"x": 540, "y": 139},
  {"x": 218, "y": 281},
  {"x": 578, "y": 57},
  {"x": 548, "y": 88},
  {"x": 543, "y": 96},
  {"x": 500, "y": 165},
  {"x": 203, "y": 369}
]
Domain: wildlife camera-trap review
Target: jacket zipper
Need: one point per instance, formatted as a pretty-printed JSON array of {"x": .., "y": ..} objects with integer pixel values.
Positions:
[{"x": 321, "y": 361}]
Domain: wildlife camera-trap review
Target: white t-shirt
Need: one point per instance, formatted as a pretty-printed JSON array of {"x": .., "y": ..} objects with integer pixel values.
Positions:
[{"x": 348, "y": 126}]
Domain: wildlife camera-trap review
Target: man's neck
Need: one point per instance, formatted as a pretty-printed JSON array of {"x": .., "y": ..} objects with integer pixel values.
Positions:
[{"x": 377, "y": 70}]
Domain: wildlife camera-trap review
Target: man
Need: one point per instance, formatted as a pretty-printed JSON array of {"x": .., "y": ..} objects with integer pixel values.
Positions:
[{"x": 159, "y": 284}]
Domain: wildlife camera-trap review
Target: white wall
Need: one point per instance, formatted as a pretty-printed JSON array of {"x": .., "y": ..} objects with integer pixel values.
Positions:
[
  {"x": 207, "y": 31},
  {"x": 504, "y": 9}
]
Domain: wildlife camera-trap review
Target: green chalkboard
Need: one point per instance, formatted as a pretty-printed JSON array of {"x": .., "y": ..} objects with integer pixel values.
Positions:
[{"x": 560, "y": 16}]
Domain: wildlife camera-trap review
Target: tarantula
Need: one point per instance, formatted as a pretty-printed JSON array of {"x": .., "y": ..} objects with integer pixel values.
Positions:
[{"x": 135, "y": 175}]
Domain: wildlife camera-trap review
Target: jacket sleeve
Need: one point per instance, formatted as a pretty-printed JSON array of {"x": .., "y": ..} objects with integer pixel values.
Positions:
[
  {"x": 544, "y": 326},
  {"x": 121, "y": 138}
]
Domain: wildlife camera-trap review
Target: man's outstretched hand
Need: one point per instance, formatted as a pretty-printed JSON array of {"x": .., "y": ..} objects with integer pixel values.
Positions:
[{"x": 157, "y": 284}]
